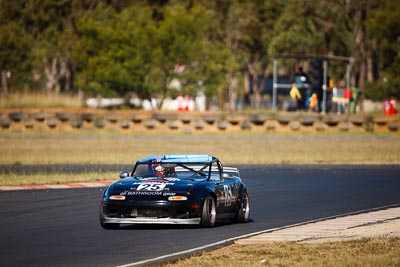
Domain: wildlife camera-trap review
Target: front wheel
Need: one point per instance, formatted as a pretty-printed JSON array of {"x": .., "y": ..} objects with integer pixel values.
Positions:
[
  {"x": 209, "y": 213},
  {"x": 243, "y": 212}
]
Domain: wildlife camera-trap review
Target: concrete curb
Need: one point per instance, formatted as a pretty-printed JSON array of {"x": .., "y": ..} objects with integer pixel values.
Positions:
[{"x": 376, "y": 223}]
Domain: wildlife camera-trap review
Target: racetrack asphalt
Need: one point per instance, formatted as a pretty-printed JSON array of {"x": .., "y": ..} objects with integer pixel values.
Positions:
[{"x": 59, "y": 227}]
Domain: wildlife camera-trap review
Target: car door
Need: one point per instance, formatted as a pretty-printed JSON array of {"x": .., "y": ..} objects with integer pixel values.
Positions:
[
  {"x": 227, "y": 192},
  {"x": 219, "y": 190},
  {"x": 231, "y": 188}
]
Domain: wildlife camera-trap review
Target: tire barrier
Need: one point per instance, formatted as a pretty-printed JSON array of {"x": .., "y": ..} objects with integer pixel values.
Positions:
[
  {"x": 40, "y": 116},
  {"x": 5, "y": 123},
  {"x": 271, "y": 125},
  {"x": 295, "y": 125},
  {"x": 63, "y": 117},
  {"x": 223, "y": 125},
  {"x": 99, "y": 123},
  {"x": 332, "y": 119},
  {"x": 210, "y": 119},
  {"x": 150, "y": 124},
  {"x": 124, "y": 124},
  {"x": 135, "y": 118},
  {"x": 173, "y": 124},
  {"x": 308, "y": 120},
  {"x": 357, "y": 119},
  {"x": 28, "y": 123},
  {"x": 258, "y": 119},
  {"x": 76, "y": 123},
  {"x": 141, "y": 122},
  {"x": 245, "y": 125},
  {"x": 52, "y": 123},
  {"x": 344, "y": 126},
  {"x": 185, "y": 119},
  {"x": 16, "y": 116},
  {"x": 233, "y": 119},
  {"x": 112, "y": 117},
  {"x": 163, "y": 117},
  {"x": 285, "y": 118},
  {"x": 87, "y": 117},
  {"x": 199, "y": 125},
  {"x": 393, "y": 126}
]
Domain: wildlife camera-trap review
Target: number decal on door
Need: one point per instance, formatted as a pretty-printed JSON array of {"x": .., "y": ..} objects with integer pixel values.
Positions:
[{"x": 228, "y": 195}]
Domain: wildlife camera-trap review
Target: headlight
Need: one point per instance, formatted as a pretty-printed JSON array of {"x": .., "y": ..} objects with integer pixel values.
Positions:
[
  {"x": 117, "y": 197},
  {"x": 177, "y": 198}
]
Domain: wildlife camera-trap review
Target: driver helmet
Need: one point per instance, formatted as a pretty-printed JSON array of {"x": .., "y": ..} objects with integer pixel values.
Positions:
[{"x": 158, "y": 169}]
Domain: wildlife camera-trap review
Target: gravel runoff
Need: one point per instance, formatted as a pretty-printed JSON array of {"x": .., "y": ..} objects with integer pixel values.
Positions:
[{"x": 380, "y": 223}]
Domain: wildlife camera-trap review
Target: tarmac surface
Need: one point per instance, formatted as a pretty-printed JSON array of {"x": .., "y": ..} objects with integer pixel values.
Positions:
[
  {"x": 60, "y": 227},
  {"x": 380, "y": 223}
]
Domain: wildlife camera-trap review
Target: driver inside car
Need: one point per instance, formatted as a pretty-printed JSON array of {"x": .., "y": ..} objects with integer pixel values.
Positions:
[{"x": 159, "y": 170}]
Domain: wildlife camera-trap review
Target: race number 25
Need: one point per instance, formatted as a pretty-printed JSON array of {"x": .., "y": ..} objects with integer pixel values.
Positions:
[{"x": 151, "y": 186}]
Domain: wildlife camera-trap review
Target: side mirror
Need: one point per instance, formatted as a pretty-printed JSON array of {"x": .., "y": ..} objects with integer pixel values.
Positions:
[
  {"x": 123, "y": 174},
  {"x": 226, "y": 175}
]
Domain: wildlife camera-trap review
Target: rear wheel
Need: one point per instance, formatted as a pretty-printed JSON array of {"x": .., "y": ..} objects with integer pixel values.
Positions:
[
  {"x": 243, "y": 213},
  {"x": 108, "y": 226},
  {"x": 209, "y": 213}
]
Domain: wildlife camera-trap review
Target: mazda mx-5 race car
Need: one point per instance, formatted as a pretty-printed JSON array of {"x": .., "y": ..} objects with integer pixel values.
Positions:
[{"x": 175, "y": 189}]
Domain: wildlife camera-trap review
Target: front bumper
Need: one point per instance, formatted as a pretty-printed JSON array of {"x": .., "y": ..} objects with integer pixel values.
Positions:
[
  {"x": 151, "y": 220},
  {"x": 150, "y": 212}
]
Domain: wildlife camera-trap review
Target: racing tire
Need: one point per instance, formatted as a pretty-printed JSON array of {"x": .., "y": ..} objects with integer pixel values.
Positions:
[
  {"x": 108, "y": 226},
  {"x": 209, "y": 212},
  {"x": 243, "y": 212}
]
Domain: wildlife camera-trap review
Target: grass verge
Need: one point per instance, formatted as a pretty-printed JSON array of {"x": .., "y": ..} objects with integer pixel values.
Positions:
[
  {"x": 363, "y": 252},
  {"x": 21, "y": 148},
  {"x": 246, "y": 148},
  {"x": 14, "y": 179},
  {"x": 38, "y": 100}
]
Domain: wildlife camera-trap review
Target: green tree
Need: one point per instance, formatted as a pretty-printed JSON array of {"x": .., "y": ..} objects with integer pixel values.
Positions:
[
  {"x": 15, "y": 54},
  {"x": 383, "y": 29},
  {"x": 243, "y": 29},
  {"x": 113, "y": 53},
  {"x": 312, "y": 27},
  {"x": 133, "y": 51},
  {"x": 178, "y": 42},
  {"x": 254, "y": 42},
  {"x": 115, "y": 47}
]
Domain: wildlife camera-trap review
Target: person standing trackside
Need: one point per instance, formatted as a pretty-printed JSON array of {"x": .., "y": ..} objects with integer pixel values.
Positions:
[
  {"x": 295, "y": 95},
  {"x": 302, "y": 81}
]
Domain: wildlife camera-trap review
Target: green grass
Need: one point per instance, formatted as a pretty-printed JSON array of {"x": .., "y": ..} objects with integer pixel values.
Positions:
[
  {"x": 14, "y": 179},
  {"x": 363, "y": 252},
  {"x": 246, "y": 148},
  {"x": 37, "y": 100},
  {"x": 232, "y": 149}
]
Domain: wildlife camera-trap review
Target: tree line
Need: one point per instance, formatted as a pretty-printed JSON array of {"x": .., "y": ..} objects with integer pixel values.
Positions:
[{"x": 117, "y": 47}]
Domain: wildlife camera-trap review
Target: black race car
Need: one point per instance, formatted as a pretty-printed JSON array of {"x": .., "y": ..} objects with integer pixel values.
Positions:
[{"x": 175, "y": 189}]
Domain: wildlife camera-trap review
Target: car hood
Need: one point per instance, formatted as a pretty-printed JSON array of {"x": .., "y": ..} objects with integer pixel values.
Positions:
[{"x": 152, "y": 184}]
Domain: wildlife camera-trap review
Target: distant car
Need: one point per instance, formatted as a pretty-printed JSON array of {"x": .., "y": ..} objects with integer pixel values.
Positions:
[{"x": 175, "y": 189}]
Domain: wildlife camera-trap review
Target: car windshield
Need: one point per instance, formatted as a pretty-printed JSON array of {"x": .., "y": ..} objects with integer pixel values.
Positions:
[{"x": 175, "y": 170}]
